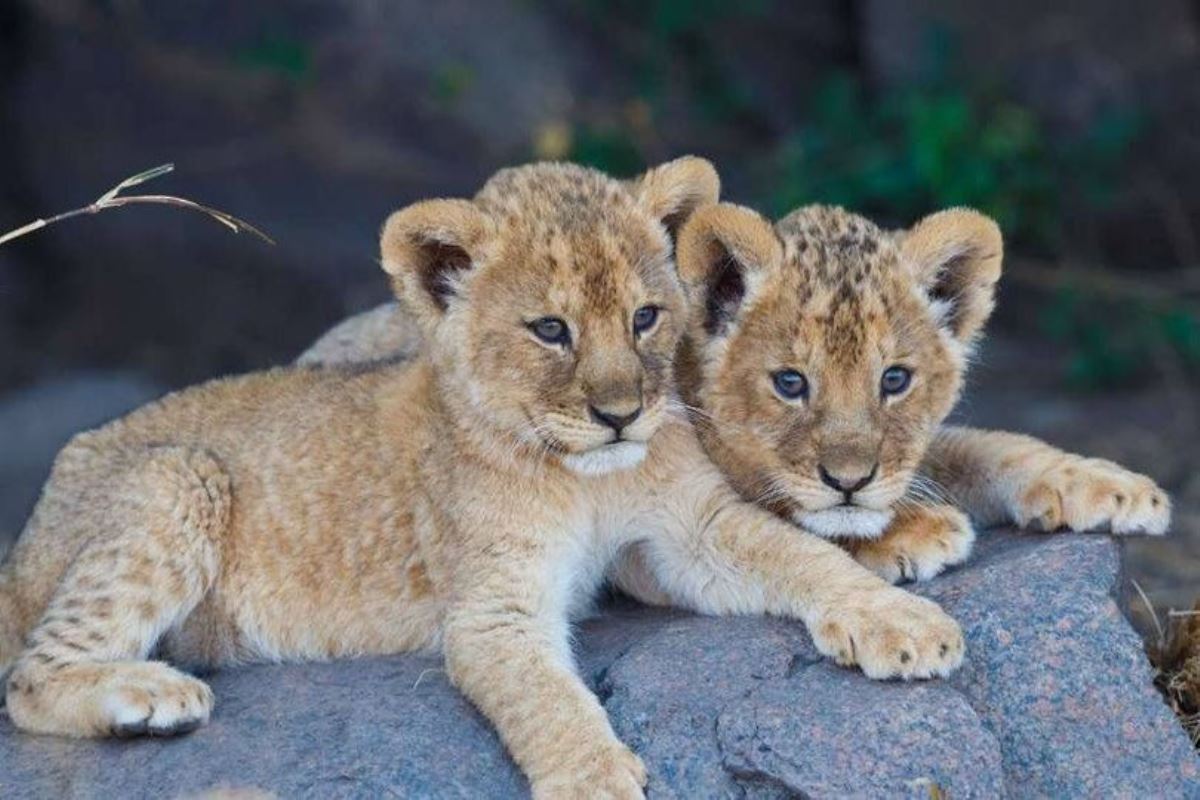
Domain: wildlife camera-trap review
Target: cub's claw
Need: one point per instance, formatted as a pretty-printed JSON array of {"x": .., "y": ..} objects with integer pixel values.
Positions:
[{"x": 919, "y": 544}]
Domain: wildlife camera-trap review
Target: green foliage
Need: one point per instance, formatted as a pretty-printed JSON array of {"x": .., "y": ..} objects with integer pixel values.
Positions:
[
  {"x": 1114, "y": 343},
  {"x": 662, "y": 40},
  {"x": 612, "y": 150},
  {"x": 280, "y": 54},
  {"x": 451, "y": 81},
  {"x": 894, "y": 155},
  {"x": 909, "y": 151}
]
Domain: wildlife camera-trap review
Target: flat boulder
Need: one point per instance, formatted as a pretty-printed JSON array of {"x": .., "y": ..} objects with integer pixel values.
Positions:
[{"x": 1055, "y": 699}]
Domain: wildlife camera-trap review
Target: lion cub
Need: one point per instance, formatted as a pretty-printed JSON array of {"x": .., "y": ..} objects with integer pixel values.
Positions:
[
  {"x": 471, "y": 499},
  {"x": 827, "y": 357}
]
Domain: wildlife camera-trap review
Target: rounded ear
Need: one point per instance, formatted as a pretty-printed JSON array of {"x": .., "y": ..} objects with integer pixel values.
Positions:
[
  {"x": 723, "y": 250},
  {"x": 955, "y": 256},
  {"x": 428, "y": 247},
  {"x": 671, "y": 192}
]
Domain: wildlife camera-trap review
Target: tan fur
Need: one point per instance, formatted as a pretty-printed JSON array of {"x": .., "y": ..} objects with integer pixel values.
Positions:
[
  {"x": 829, "y": 294},
  {"x": 465, "y": 500},
  {"x": 383, "y": 333},
  {"x": 1007, "y": 477}
]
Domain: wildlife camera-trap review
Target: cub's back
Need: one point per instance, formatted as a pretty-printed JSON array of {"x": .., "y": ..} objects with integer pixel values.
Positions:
[{"x": 290, "y": 437}]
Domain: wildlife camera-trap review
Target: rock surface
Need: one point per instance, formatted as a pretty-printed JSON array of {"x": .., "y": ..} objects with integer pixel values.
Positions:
[{"x": 1054, "y": 700}]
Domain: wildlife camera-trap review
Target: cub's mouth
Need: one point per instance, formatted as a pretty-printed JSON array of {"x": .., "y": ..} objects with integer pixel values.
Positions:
[
  {"x": 844, "y": 522},
  {"x": 614, "y": 456}
]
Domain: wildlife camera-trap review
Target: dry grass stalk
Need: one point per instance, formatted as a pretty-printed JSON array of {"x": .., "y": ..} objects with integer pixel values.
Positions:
[
  {"x": 114, "y": 199},
  {"x": 1176, "y": 659}
]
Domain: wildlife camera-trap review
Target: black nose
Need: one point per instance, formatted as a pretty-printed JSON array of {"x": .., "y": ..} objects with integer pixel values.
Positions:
[
  {"x": 846, "y": 484},
  {"x": 617, "y": 422}
]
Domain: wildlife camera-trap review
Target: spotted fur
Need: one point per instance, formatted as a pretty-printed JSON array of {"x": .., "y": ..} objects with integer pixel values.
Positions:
[{"x": 831, "y": 295}]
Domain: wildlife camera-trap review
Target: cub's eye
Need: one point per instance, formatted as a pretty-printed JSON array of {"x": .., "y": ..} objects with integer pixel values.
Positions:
[
  {"x": 790, "y": 384},
  {"x": 895, "y": 380},
  {"x": 644, "y": 318},
  {"x": 551, "y": 330}
]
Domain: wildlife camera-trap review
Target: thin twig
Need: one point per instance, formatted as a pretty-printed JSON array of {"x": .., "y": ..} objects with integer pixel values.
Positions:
[
  {"x": 114, "y": 199},
  {"x": 421, "y": 677},
  {"x": 1162, "y": 635}
]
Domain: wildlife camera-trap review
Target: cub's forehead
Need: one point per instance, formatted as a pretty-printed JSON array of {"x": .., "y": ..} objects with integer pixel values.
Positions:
[
  {"x": 570, "y": 228},
  {"x": 832, "y": 249},
  {"x": 842, "y": 284},
  {"x": 548, "y": 202}
]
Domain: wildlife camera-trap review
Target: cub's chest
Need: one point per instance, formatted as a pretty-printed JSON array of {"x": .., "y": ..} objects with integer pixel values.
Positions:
[{"x": 581, "y": 563}]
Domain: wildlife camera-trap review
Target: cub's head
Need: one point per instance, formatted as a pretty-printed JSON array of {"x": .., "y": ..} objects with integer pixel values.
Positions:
[
  {"x": 551, "y": 306},
  {"x": 823, "y": 352}
]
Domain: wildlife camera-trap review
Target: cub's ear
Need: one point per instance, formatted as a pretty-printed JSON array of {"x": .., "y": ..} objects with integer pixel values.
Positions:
[
  {"x": 723, "y": 252},
  {"x": 955, "y": 256},
  {"x": 670, "y": 192},
  {"x": 428, "y": 248}
]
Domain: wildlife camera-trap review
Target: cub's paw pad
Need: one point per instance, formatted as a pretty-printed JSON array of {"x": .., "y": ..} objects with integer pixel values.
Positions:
[
  {"x": 896, "y": 635},
  {"x": 1091, "y": 494}
]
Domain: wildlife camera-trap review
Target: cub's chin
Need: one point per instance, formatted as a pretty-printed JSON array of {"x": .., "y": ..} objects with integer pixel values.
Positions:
[
  {"x": 608, "y": 458},
  {"x": 844, "y": 522}
]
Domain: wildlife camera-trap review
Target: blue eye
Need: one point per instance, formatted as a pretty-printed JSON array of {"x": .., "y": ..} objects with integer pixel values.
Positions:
[
  {"x": 895, "y": 380},
  {"x": 644, "y": 318},
  {"x": 790, "y": 384},
  {"x": 551, "y": 330}
]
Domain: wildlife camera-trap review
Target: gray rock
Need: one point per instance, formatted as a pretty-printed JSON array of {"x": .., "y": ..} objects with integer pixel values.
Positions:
[
  {"x": 1057, "y": 674},
  {"x": 1055, "y": 700},
  {"x": 375, "y": 727},
  {"x": 853, "y": 738}
]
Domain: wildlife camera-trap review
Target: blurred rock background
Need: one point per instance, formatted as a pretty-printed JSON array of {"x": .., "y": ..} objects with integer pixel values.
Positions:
[{"x": 1077, "y": 124}]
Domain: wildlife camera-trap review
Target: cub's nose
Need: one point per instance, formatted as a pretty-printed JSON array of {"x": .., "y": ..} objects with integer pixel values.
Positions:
[
  {"x": 847, "y": 483},
  {"x": 615, "y": 418}
]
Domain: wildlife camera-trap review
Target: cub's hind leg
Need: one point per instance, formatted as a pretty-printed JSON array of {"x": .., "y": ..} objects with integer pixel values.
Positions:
[
  {"x": 10, "y": 626},
  {"x": 83, "y": 671}
]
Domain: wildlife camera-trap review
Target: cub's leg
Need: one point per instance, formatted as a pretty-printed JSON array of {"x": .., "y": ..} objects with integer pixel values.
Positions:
[
  {"x": 152, "y": 558},
  {"x": 1003, "y": 477},
  {"x": 720, "y": 555},
  {"x": 920, "y": 542},
  {"x": 507, "y": 648},
  {"x": 10, "y": 627}
]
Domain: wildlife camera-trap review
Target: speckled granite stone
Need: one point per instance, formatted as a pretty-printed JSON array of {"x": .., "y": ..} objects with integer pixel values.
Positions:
[{"x": 1054, "y": 700}]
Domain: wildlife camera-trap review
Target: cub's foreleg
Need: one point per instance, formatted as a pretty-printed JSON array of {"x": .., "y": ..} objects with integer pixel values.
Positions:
[
  {"x": 507, "y": 649},
  {"x": 1000, "y": 477},
  {"x": 720, "y": 555},
  {"x": 152, "y": 555}
]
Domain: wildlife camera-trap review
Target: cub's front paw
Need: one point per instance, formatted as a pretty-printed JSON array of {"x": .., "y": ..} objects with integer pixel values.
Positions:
[
  {"x": 118, "y": 698},
  {"x": 919, "y": 543},
  {"x": 613, "y": 772},
  {"x": 891, "y": 633},
  {"x": 1091, "y": 494}
]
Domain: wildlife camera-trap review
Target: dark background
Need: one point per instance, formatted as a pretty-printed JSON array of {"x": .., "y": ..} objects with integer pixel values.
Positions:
[{"x": 1076, "y": 124}]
